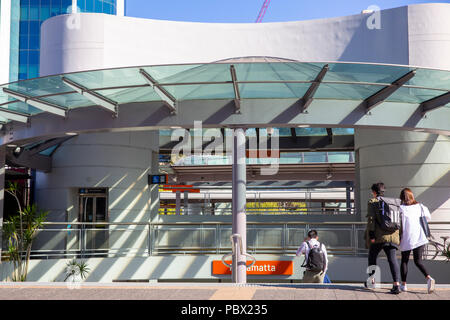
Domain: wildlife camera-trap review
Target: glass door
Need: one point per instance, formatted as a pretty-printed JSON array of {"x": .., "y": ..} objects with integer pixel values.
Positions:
[{"x": 95, "y": 233}]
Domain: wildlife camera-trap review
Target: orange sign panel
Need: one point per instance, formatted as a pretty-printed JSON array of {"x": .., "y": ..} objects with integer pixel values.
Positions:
[{"x": 259, "y": 268}]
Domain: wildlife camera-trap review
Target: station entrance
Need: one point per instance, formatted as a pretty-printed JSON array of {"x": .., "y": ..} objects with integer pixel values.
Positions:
[{"x": 116, "y": 120}]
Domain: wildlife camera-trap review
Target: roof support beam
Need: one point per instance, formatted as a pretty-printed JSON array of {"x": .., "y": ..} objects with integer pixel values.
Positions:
[
  {"x": 309, "y": 95},
  {"x": 330, "y": 135},
  {"x": 94, "y": 97},
  {"x": 44, "y": 146},
  {"x": 434, "y": 103},
  {"x": 37, "y": 103},
  {"x": 294, "y": 135},
  {"x": 13, "y": 115},
  {"x": 378, "y": 97},
  {"x": 169, "y": 100},
  {"x": 237, "y": 95}
]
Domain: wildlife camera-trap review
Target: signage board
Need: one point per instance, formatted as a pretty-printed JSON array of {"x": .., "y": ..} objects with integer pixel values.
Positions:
[
  {"x": 259, "y": 268},
  {"x": 157, "y": 178}
]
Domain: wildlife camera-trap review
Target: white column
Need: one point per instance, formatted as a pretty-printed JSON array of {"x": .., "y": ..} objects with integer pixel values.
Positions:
[{"x": 120, "y": 8}]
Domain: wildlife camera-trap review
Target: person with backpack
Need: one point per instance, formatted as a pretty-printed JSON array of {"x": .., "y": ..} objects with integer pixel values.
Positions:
[
  {"x": 414, "y": 236},
  {"x": 316, "y": 261},
  {"x": 383, "y": 232}
]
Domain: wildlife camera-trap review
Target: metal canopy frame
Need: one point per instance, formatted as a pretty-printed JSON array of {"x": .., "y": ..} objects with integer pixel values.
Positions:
[
  {"x": 93, "y": 96},
  {"x": 237, "y": 94},
  {"x": 377, "y": 98},
  {"x": 37, "y": 103},
  {"x": 434, "y": 103},
  {"x": 270, "y": 101},
  {"x": 169, "y": 100},
  {"x": 14, "y": 115},
  {"x": 306, "y": 100}
]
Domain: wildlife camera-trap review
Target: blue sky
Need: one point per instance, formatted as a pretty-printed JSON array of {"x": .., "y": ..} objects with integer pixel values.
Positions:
[{"x": 247, "y": 10}]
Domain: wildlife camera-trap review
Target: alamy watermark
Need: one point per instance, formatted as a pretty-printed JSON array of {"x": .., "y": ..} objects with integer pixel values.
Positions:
[
  {"x": 209, "y": 142},
  {"x": 374, "y": 19}
]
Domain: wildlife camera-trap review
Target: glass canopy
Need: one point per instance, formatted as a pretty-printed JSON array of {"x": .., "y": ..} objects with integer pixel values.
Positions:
[{"x": 268, "y": 80}]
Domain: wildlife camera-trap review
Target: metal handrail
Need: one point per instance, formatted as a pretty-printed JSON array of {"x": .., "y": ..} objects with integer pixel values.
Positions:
[{"x": 78, "y": 247}]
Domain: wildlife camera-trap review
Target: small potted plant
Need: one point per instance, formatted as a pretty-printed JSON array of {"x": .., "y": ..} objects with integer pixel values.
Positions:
[{"x": 76, "y": 271}]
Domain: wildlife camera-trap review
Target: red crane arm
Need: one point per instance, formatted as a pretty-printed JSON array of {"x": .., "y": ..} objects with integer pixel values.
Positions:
[{"x": 263, "y": 10}]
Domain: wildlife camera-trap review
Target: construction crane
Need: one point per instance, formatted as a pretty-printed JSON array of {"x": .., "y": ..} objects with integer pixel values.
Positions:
[{"x": 263, "y": 10}]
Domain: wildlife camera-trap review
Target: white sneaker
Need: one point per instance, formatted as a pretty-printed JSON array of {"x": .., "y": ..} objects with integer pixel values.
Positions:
[
  {"x": 430, "y": 285},
  {"x": 403, "y": 288}
]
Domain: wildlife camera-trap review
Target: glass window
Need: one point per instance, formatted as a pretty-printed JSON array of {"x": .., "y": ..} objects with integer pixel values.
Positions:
[
  {"x": 23, "y": 68},
  {"x": 98, "y": 6},
  {"x": 23, "y": 28},
  {"x": 24, "y": 13},
  {"x": 35, "y": 28},
  {"x": 45, "y": 12},
  {"x": 23, "y": 57},
  {"x": 33, "y": 71},
  {"x": 89, "y": 5},
  {"x": 65, "y": 6},
  {"x": 107, "y": 8},
  {"x": 23, "y": 42},
  {"x": 34, "y": 12},
  {"x": 34, "y": 42},
  {"x": 55, "y": 7},
  {"x": 33, "y": 57}
]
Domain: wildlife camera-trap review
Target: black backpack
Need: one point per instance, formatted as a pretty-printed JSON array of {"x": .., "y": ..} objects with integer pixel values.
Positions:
[
  {"x": 316, "y": 258},
  {"x": 388, "y": 215}
]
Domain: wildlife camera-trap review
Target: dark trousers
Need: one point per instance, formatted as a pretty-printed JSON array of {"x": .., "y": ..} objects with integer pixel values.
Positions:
[
  {"x": 417, "y": 255},
  {"x": 390, "y": 251}
]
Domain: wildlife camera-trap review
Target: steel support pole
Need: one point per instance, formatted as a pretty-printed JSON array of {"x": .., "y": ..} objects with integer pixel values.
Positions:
[
  {"x": 239, "y": 184},
  {"x": 348, "y": 200},
  {"x": 178, "y": 202},
  {"x": 186, "y": 203},
  {"x": 2, "y": 192}
]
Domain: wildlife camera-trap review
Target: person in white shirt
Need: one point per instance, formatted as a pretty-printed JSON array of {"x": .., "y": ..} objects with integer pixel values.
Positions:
[
  {"x": 316, "y": 267},
  {"x": 413, "y": 236}
]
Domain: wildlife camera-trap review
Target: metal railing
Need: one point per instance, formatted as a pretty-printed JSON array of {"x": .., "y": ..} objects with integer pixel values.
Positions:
[
  {"x": 260, "y": 211},
  {"x": 85, "y": 240}
]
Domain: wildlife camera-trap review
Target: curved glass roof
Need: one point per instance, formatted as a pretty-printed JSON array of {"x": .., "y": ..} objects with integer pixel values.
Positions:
[{"x": 268, "y": 80}]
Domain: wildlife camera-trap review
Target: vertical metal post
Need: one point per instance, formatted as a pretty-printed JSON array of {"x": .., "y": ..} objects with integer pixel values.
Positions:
[
  {"x": 178, "y": 202},
  {"x": 348, "y": 199},
  {"x": 186, "y": 203},
  {"x": 2, "y": 193},
  {"x": 149, "y": 239},
  {"x": 239, "y": 274}
]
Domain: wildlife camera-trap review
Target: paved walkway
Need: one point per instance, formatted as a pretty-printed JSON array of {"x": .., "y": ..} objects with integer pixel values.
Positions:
[{"x": 205, "y": 291}]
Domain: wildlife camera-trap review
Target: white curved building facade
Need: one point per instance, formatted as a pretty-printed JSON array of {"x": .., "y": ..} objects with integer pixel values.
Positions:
[{"x": 415, "y": 35}]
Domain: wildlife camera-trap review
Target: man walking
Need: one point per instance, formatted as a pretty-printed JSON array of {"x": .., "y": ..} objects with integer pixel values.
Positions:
[{"x": 316, "y": 261}]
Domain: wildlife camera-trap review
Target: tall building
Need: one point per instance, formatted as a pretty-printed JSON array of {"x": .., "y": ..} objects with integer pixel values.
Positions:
[{"x": 20, "y": 25}]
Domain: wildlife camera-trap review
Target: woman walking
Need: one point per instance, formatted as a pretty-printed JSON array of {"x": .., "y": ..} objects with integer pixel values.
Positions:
[
  {"x": 378, "y": 239},
  {"x": 413, "y": 236}
]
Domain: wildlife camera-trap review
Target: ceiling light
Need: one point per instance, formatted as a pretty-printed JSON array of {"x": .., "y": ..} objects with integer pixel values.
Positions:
[
  {"x": 71, "y": 134},
  {"x": 303, "y": 126}
]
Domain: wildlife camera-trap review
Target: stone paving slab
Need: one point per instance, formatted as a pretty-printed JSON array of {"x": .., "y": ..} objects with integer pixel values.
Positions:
[{"x": 205, "y": 291}]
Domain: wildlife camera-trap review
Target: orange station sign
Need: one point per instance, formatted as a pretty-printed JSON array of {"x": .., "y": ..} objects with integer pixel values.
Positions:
[{"x": 259, "y": 268}]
